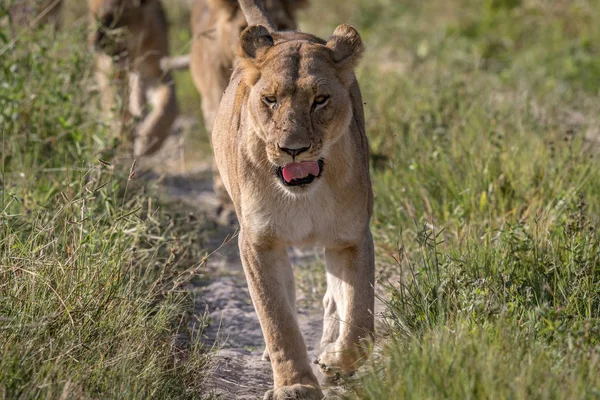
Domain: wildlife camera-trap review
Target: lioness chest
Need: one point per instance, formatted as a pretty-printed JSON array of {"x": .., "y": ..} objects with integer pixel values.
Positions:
[{"x": 320, "y": 217}]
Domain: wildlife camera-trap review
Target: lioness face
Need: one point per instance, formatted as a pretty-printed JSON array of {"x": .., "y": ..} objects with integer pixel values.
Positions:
[
  {"x": 117, "y": 22},
  {"x": 299, "y": 102}
]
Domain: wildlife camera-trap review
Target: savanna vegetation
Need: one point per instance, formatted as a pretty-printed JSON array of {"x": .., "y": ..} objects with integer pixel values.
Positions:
[
  {"x": 93, "y": 267},
  {"x": 483, "y": 120},
  {"x": 483, "y": 117}
]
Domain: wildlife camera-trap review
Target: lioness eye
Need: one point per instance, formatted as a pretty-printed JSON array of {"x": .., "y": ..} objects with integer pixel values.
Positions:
[
  {"x": 269, "y": 100},
  {"x": 320, "y": 100}
]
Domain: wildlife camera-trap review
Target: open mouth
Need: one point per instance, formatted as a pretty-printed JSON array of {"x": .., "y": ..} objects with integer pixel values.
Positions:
[{"x": 300, "y": 173}]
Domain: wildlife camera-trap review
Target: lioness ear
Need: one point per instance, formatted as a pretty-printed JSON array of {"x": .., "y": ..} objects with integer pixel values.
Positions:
[
  {"x": 346, "y": 47},
  {"x": 254, "y": 39}
]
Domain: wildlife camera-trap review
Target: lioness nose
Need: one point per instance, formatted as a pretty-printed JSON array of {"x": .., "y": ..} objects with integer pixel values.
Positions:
[{"x": 294, "y": 152}]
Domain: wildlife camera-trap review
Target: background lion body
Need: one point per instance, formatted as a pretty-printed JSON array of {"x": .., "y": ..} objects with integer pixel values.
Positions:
[
  {"x": 216, "y": 26},
  {"x": 128, "y": 68}
]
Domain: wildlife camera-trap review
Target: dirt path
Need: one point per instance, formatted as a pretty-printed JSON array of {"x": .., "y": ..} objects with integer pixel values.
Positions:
[{"x": 237, "y": 371}]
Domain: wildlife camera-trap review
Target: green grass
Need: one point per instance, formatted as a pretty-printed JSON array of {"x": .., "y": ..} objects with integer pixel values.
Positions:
[
  {"x": 94, "y": 270},
  {"x": 486, "y": 196}
]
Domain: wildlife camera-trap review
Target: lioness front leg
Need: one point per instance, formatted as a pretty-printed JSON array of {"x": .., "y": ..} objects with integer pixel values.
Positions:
[
  {"x": 268, "y": 272},
  {"x": 290, "y": 287},
  {"x": 349, "y": 304}
]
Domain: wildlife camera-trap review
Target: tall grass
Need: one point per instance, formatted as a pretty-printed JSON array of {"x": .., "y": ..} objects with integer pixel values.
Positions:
[
  {"x": 480, "y": 115},
  {"x": 93, "y": 269},
  {"x": 515, "y": 315}
]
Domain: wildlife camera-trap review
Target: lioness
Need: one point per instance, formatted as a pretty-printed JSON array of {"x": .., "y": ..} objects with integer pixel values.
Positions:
[
  {"x": 216, "y": 27},
  {"x": 290, "y": 145},
  {"x": 130, "y": 38}
]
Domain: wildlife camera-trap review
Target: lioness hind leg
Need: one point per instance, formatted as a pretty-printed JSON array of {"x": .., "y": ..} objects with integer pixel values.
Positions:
[
  {"x": 349, "y": 301},
  {"x": 269, "y": 273}
]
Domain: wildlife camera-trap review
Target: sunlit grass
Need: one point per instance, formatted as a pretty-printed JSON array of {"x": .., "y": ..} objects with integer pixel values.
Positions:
[{"x": 486, "y": 196}]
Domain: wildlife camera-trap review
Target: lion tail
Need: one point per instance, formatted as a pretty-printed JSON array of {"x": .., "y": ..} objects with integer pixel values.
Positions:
[{"x": 255, "y": 14}]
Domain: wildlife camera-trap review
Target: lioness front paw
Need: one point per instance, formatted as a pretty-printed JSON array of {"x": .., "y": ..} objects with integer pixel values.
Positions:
[
  {"x": 293, "y": 392},
  {"x": 334, "y": 362}
]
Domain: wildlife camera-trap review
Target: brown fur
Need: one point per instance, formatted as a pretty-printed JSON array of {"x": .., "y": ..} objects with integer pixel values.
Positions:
[
  {"x": 333, "y": 211},
  {"x": 131, "y": 37},
  {"x": 216, "y": 26}
]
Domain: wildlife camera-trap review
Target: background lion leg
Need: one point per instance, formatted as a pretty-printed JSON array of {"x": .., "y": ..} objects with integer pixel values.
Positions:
[
  {"x": 268, "y": 272},
  {"x": 156, "y": 127},
  {"x": 111, "y": 82},
  {"x": 211, "y": 78},
  {"x": 210, "y": 104},
  {"x": 350, "y": 280},
  {"x": 104, "y": 72},
  {"x": 137, "y": 96}
]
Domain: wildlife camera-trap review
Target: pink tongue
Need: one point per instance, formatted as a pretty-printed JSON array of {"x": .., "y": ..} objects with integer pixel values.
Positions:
[{"x": 300, "y": 170}]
